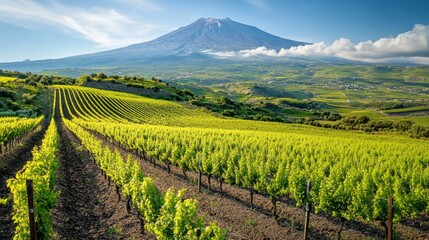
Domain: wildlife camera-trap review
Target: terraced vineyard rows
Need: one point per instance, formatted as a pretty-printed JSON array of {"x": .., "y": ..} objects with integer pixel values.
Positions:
[
  {"x": 123, "y": 107},
  {"x": 352, "y": 174}
]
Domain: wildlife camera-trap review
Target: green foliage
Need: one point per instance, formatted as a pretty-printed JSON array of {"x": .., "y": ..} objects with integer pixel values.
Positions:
[
  {"x": 167, "y": 216},
  {"x": 3, "y": 201},
  {"x": 83, "y": 79},
  {"x": 231, "y": 108},
  {"x": 42, "y": 170},
  {"x": 151, "y": 201},
  {"x": 364, "y": 123},
  {"x": 12, "y": 127},
  {"x": 418, "y": 131},
  {"x": 7, "y": 93},
  {"x": 101, "y": 75}
]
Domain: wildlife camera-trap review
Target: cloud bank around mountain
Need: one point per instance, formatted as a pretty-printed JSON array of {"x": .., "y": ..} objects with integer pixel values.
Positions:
[{"x": 411, "y": 46}]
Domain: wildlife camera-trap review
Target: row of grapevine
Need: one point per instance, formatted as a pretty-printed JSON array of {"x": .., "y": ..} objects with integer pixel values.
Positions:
[
  {"x": 165, "y": 215},
  {"x": 42, "y": 169},
  {"x": 351, "y": 178},
  {"x": 9, "y": 119},
  {"x": 12, "y": 129}
]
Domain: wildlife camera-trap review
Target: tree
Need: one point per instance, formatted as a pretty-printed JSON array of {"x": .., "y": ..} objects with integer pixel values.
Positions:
[
  {"x": 101, "y": 75},
  {"x": 83, "y": 79}
]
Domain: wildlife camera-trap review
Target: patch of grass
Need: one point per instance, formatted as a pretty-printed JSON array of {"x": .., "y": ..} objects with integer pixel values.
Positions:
[
  {"x": 408, "y": 110},
  {"x": 3, "y": 201},
  {"x": 372, "y": 114},
  {"x": 214, "y": 204},
  {"x": 250, "y": 222},
  {"x": 115, "y": 231},
  {"x": 422, "y": 120},
  {"x": 291, "y": 112}
]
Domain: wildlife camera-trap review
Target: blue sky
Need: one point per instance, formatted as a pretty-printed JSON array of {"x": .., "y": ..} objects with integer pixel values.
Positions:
[{"x": 42, "y": 29}]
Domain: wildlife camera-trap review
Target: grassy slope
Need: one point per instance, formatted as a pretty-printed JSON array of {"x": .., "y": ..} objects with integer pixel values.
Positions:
[{"x": 408, "y": 110}]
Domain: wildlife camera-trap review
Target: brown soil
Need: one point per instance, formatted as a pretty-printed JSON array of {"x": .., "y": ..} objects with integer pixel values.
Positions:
[
  {"x": 231, "y": 210},
  {"x": 88, "y": 208},
  {"x": 10, "y": 163}
]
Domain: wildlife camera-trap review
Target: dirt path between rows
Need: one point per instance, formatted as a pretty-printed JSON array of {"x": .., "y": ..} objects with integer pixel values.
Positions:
[
  {"x": 10, "y": 163},
  {"x": 88, "y": 208}
]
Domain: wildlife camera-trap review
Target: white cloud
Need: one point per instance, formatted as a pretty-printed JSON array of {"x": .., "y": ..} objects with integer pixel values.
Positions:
[
  {"x": 411, "y": 46},
  {"x": 414, "y": 43},
  {"x": 320, "y": 49},
  {"x": 261, "y": 4},
  {"x": 260, "y": 51},
  {"x": 105, "y": 27},
  {"x": 220, "y": 54}
]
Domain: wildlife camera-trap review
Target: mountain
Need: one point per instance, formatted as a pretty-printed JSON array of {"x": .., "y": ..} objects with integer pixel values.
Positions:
[
  {"x": 189, "y": 43},
  {"x": 213, "y": 34}
]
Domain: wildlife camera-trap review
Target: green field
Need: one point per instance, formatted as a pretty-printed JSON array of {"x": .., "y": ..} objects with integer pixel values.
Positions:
[{"x": 352, "y": 173}]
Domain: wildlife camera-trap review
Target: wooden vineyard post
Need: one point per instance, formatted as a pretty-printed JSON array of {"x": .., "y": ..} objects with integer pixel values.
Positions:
[
  {"x": 31, "y": 209},
  {"x": 199, "y": 173},
  {"x": 390, "y": 219},
  {"x": 307, "y": 210}
]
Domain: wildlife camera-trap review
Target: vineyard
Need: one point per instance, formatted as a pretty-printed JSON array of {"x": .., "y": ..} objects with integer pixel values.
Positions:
[
  {"x": 352, "y": 174},
  {"x": 152, "y": 155}
]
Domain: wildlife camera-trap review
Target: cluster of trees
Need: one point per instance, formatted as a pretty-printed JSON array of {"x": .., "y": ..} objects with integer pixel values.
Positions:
[
  {"x": 364, "y": 123},
  {"x": 300, "y": 104},
  {"x": 19, "y": 97},
  {"x": 386, "y": 105},
  {"x": 231, "y": 108},
  {"x": 26, "y": 96},
  {"x": 113, "y": 78},
  {"x": 330, "y": 116},
  {"x": 38, "y": 80},
  {"x": 152, "y": 87},
  {"x": 9, "y": 98}
]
